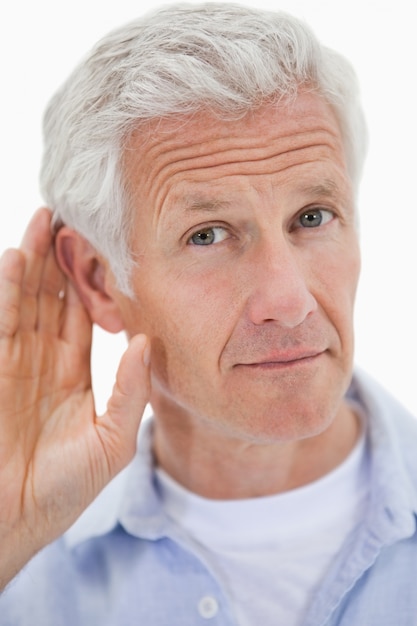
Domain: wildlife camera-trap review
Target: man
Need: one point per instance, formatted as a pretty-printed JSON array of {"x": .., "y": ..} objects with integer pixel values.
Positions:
[{"x": 202, "y": 167}]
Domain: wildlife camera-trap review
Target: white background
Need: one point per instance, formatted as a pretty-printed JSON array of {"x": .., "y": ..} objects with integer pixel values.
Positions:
[{"x": 41, "y": 42}]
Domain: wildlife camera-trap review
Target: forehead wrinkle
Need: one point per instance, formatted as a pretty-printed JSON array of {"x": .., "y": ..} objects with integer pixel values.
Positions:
[
  {"x": 165, "y": 157},
  {"x": 206, "y": 154},
  {"x": 259, "y": 164},
  {"x": 157, "y": 159},
  {"x": 167, "y": 142}
]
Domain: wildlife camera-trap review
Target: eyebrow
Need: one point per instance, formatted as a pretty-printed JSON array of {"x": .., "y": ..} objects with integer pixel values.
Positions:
[
  {"x": 206, "y": 205},
  {"x": 327, "y": 188}
]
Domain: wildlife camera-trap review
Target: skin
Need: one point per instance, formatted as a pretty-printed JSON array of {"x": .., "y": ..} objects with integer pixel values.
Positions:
[
  {"x": 251, "y": 334},
  {"x": 56, "y": 454}
]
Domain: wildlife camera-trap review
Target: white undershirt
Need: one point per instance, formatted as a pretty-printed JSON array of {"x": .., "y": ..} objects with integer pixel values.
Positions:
[{"x": 270, "y": 553}]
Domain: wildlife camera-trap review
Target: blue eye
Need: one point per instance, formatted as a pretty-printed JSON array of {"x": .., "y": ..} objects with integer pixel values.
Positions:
[
  {"x": 208, "y": 236},
  {"x": 312, "y": 218}
]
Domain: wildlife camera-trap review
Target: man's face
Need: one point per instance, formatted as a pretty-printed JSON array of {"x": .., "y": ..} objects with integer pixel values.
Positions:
[{"x": 248, "y": 262}]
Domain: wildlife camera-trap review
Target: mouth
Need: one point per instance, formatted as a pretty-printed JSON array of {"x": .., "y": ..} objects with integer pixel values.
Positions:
[{"x": 284, "y": 361}]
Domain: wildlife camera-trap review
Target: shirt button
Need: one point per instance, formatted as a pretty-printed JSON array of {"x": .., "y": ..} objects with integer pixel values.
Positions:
[{"x": 208, "y": 607}]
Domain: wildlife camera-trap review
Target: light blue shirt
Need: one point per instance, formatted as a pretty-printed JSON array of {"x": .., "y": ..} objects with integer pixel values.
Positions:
[{"x": 125, "y": 564}]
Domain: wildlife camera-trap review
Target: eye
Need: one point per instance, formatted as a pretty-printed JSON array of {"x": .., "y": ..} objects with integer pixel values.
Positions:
[
  {"x": 208, "y": 236},
  {"x": 312, "y": 218}
]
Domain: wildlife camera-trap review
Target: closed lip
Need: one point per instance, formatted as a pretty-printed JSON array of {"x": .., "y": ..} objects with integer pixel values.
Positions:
[{"x": 283, "y": 359}]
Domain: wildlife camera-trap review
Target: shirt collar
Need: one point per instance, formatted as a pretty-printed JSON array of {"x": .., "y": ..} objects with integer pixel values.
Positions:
[
  {"x": 392, "y": 433},
  {"x": 130, "y": 499}
]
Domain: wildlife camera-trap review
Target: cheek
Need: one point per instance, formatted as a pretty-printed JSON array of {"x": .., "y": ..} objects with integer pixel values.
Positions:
[
  {"x": 201, "y": 315},
  {"x": 339, "y": 280},
  {"x": 188, "y": 319},
  {"x": 349, "y": 270}
]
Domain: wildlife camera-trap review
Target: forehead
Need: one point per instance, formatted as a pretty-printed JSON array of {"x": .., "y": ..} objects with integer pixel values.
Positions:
[{"x": 174, "y": 156}]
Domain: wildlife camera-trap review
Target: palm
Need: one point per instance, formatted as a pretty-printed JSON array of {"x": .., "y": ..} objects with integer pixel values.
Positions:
[
  {"x": 47, "y": 408},
  {"x": 55, "y": 453}
]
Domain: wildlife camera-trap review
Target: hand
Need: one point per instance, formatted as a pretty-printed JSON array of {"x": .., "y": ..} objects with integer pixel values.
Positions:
[{"x": 56, "y": 454}]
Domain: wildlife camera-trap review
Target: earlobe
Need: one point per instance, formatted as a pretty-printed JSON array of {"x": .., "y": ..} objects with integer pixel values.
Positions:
[{"x": 91, "y": 277}]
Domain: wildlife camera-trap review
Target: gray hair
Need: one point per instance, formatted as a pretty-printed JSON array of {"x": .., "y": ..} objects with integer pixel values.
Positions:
[{"x": 222, "y": 58}]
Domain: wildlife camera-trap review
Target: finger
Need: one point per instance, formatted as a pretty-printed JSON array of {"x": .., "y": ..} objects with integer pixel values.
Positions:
[
  {"x": 12, "y": 267},
  {"x": 119, "y": 425},
  {"x": 76, "y": 327},
  {"x": 37, "y": 237},
  {"x": 50, "y": 301},
  {"x": 36, "y": 245}
]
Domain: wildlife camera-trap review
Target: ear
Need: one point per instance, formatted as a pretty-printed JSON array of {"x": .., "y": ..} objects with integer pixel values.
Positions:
[{"x": 91, "y": 276}]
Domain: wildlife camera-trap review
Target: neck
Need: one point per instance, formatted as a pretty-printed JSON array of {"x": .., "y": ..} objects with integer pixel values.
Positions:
[{"x": 222, "y": 466}]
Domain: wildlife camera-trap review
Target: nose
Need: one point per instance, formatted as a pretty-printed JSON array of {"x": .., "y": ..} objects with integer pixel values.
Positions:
[{"x": 279, "y": 290}]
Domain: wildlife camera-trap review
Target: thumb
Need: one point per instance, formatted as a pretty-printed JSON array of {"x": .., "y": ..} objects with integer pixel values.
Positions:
[{"x": 119, "y": 425}]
